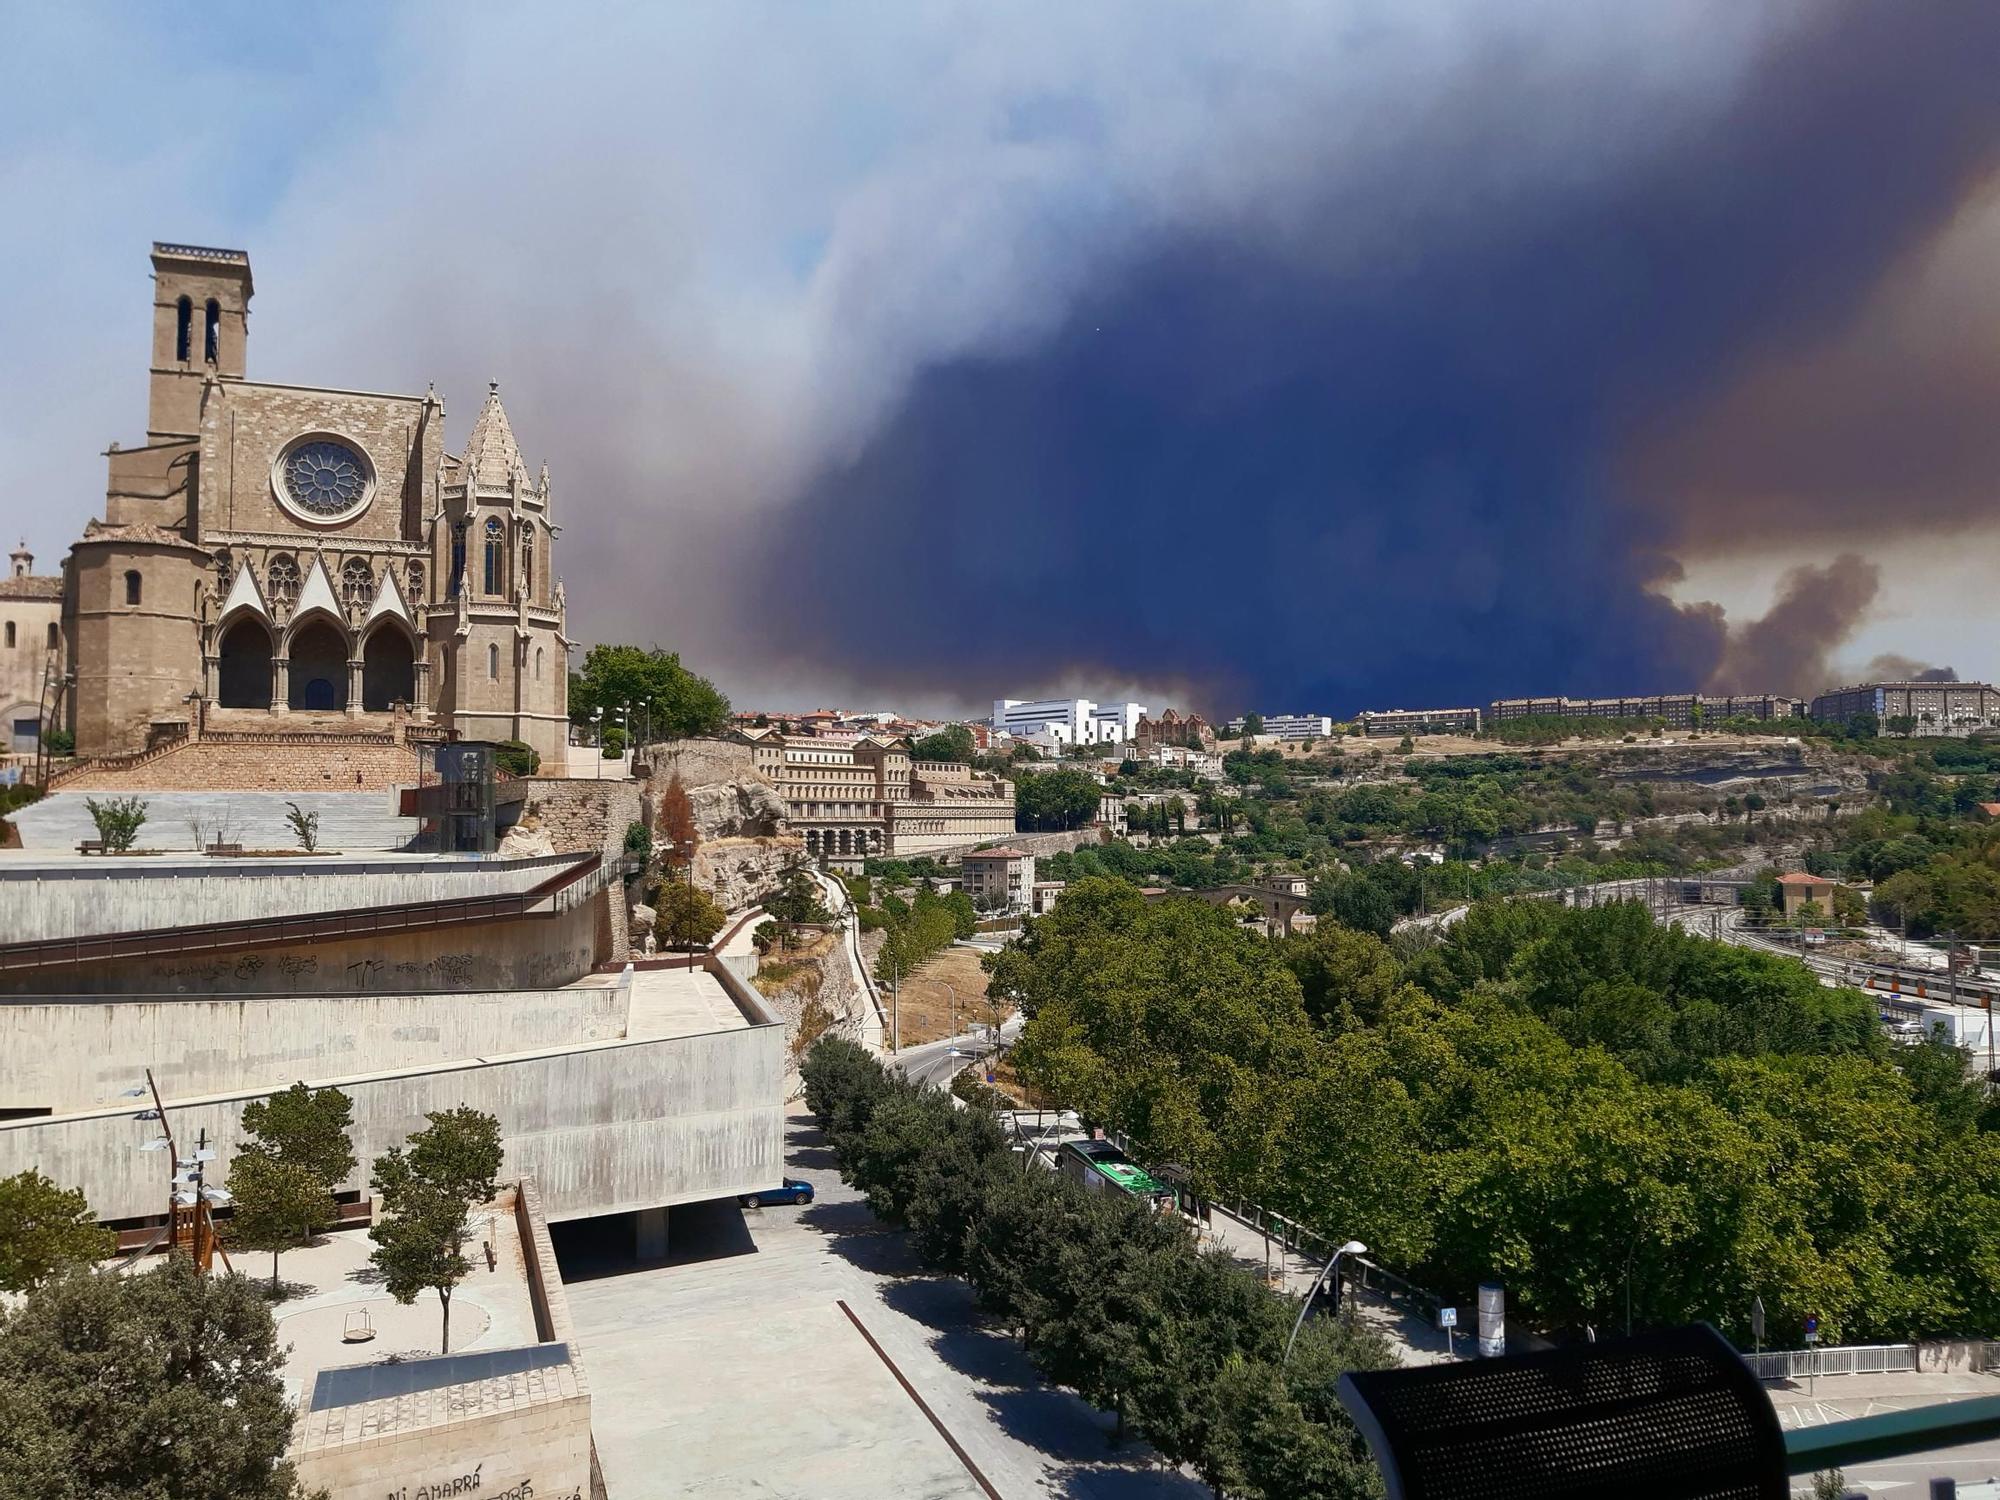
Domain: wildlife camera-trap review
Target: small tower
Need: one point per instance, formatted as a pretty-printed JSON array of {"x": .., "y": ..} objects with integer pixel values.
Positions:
[
  {"x": 201, "y": 327},
  {"x": 22, "y": 559}
]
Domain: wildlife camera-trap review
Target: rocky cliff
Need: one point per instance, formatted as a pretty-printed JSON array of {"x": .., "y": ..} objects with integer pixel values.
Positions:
[{"x": 744, "y": 843}]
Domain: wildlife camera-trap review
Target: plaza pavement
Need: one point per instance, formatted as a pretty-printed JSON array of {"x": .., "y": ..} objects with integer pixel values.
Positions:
[{"x": 735, "y": 1370}]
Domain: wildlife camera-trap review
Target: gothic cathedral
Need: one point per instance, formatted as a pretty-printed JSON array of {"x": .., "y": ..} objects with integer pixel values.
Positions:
[{"x": 284, "y": 558}]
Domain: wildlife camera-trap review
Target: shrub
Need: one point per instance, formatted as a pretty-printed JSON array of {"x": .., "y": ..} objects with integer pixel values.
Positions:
[
  {"x": 118, "y": 821},
  {"x": 638, "y": 841},
  {"x": 613, "y": 743},
  {"x": 516, "y": 758},
  {"x": 59, "y": 742}
]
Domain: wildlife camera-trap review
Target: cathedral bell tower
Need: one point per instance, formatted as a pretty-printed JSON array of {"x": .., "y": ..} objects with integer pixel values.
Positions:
[{"x": 201, "y": 323}]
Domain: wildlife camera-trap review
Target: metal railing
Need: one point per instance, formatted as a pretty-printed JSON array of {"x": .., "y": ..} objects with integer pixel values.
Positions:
[{"x": 1837, "y": 1359}]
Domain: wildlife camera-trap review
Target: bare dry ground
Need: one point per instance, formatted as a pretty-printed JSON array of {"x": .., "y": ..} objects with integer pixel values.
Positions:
[{"x": 926, "y": 1004}]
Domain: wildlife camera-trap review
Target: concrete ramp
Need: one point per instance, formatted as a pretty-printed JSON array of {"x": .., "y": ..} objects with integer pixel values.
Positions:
[{"x": 348, "y": 821}]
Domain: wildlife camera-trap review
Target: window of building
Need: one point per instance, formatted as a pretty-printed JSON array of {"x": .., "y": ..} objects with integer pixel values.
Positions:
[
  {"x": 357, "y": 583},
  {"x": 493, "y": 662},
  {"x": 54, "y": 639},
  {"x": 494, "y": 566},
  {"x": 281, "y": 579},
  {"x": 211, "y": 341},
  {"x": 457, "y": 557},
  {"x": 183, "y": 328},
  {"x": 10, "y": 635},
  {"x": 538, "y": 663},
  {"x": 416, "y": 583},
  {"x": 528, "y": 564},
  {"x": 132, "y": 587}
]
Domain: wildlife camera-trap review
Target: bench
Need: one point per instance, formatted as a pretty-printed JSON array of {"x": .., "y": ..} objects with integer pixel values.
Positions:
[
  {"x": 91, "y": 846},
  {"x": 224, "y": 849}
]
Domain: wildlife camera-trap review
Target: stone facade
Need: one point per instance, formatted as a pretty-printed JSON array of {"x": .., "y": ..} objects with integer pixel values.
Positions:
[
  {"x": 30, "y": 652},
  {"x": 1192, "y": 732},
  {"x": 849, "y": 798},
  {"x": 283, "y": 549}
]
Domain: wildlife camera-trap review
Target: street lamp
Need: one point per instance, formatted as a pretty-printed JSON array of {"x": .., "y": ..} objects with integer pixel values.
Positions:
[
  {"x": 1352, "y": 1247},
  {"x": 597, "y": 735}
]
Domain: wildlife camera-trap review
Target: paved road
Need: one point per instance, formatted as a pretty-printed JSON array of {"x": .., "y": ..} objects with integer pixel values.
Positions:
[
  {"x": 936, "y": 1062},
  {"x": 735, "y": 1372}
]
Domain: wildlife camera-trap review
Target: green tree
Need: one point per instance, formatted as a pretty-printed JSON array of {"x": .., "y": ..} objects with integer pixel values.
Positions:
[
  {"x": 677, "y": 703},
  {"x": 278, "y": 1205},
  {"x": 428, "y": 1189},
  {"x": 953, "y": 743},
  {"x": 517, "y": 758},
  {"x": 1253, "y": 724},
  {"x": 168, "y": 1385},
  {"x": 1055, "y": 799},
  {"x": 118, "y": 821},
  {"x": 797, "y": 899},
  {"x": 307, "y": 1128},
  {"x": 685, "y": 915},
  {"x": 45, "y": 1229}
]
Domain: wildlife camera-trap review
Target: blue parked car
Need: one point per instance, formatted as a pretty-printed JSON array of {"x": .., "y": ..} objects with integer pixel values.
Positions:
[{"x": 794, "y": 1191}]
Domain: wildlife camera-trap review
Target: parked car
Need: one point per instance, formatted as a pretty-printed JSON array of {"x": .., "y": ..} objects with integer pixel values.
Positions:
[{"x": 794, "y": 1191}]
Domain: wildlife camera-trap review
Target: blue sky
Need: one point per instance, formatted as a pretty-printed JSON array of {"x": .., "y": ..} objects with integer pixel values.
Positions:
[{"x": 1261, "y": 355}]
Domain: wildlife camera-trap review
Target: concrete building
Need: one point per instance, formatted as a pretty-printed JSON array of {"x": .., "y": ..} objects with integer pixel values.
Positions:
[
  {"x": 1288, "y": 726},
  {"x": 1933, "y": 708},
  {"x": 275, "y": 557},
  {"x": 1401, "y": 721},
  {"x": 1205, "y": 764},
  {"x": 999, "y": 879},
  {"x": 31, "y": 655},
  {"x": 1068, "y": 721},
  {"x": 1190, "y": 733},
  {"x": 1675, "y": 710},
  {"x": 415, "y": 983},
  {"x": 854, "y": 796}
]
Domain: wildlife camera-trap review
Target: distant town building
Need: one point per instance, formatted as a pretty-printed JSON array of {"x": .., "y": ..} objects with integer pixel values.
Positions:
[
  {"x": 853, "y": 796},
  {"x": 1068, "y": 721},
  {"x": 1203, "y": 763},
  {"x": 1398, "y": 721},
  {"x": 999, "y": 879},
  {"x": 31, "y": 660},
  {"x": 1934, "y": 708},
  {"x": 1799, "y": 890},
  {"x": 1190, "y": 733},
  {"x": 1675, "y": 710},
  {"x": 1288, "y": 727}
]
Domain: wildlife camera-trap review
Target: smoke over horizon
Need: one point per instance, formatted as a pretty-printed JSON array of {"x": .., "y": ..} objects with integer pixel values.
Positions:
[{"x": 1318, "y": 358}]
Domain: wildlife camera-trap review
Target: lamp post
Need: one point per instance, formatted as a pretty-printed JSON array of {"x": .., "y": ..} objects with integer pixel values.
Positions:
[
  {"x": 597, "y": 736},
  {"x": 1352, "y": 1247}
]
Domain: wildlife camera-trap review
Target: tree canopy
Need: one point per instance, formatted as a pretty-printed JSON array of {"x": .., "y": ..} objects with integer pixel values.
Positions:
[
  {"x": 1062, "y": 798},
  {"x": 166, "y": 1384},
  {"x": 953, "y": 743},
  {"x": 677, "y": 704},
  {"x": 428, "y": 1189},
  {"x": 44, "y": 1228},
  {"x": 1598, "y": 1111}
]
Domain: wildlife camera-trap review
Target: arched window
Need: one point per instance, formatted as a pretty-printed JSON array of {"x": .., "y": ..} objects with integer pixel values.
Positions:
[
  {"x": 357, "y": 584},
  {"x": 211, "y": 342},
  {"x": 281, "y": 580},
  {"x": 132, "y": 587},
  {"x": 54, "y": 639},
  {"x": 493, "y": 662},
  {"x": 183, "y": 328},
  {"x": 538, "y": 658},
  {"x": 494, "y": 566},
  {"x": 10, "y": 635},
  {"x": 528, "y": 563},
  {"x": 416, "y": 583}
]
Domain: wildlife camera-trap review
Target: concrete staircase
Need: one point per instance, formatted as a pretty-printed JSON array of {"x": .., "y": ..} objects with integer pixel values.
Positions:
[{"x": 347, "y": 820}]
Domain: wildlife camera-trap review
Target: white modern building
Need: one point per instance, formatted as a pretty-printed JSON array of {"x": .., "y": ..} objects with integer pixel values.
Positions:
[
  {"x": 1289, "y": 727},
  {"x": 1068, "y": 721}
]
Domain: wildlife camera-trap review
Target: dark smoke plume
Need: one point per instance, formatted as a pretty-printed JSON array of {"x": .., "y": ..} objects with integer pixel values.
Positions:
[
  {"x": 1786, "y": 650},
  {"x": 1303, "y": 482},
  {"x": 1892, "y": 666}
]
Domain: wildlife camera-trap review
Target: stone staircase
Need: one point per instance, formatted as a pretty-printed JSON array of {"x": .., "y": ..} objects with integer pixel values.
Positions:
[{"x": 292, "y": 761}]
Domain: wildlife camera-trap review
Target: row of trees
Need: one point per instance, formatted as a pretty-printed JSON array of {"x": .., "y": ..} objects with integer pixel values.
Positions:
[
  {"x": 917, "y": 930},
  {"x": 1110, "y": 1300},
  {"x": 1059, "y": 799},
  {"x": 1620, "y": 1121}
]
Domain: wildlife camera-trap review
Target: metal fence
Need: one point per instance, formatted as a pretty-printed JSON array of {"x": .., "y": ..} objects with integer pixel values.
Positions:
[{"x": 1861, "y": 1359}]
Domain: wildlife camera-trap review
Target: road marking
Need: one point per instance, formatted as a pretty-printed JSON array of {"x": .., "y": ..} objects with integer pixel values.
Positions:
[{"x": 910, "y": 1390}]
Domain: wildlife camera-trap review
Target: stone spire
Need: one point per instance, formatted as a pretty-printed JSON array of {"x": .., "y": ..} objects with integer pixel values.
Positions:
[{"x": 491, "y": 454}]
